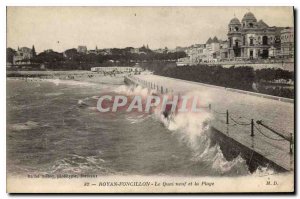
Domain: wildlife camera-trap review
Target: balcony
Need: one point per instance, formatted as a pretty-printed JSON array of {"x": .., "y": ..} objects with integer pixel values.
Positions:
[{"x": 236, "y": 47}]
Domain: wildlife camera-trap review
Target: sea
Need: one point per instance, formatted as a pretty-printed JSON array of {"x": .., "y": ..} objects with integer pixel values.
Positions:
[{"x": 54, "y": 127}]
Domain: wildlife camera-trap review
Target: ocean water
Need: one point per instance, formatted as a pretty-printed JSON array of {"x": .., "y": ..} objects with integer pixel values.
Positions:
[{"x": 53, "y": 127}]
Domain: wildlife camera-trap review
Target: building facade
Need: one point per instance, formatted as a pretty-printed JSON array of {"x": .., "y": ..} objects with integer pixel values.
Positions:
[
  {"x": 287, "y": 42},
  {"x": 213, "y": 50},
  {"x": 23, "y": 56},
  {"x": 196, "y": 53},
  {"x": 223, "y": 50},
  {"x": 82, "y": 49},
  {"x": 250, "y": 39}
]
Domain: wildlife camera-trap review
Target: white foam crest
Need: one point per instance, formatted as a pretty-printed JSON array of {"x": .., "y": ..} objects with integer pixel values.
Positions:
[
  {"x": 78, "y": 164},
  {"x": 93, "y": 108},
  {"x": 69, "y": 82},
  {"x": 221, "y": 165},
  {"x": 95, "y": 97},
  {"x": 263, "y": 171},
  {"x": 215, "y": 157},
  {"x": 207, "y": 153},
  {"x": 81, "y": 102},
  {"x": 137, "y": 119},
  {"x": 54, "y": 94},
  {"x": 190, "y": 126},
  {"x": 23, "y": 126}
]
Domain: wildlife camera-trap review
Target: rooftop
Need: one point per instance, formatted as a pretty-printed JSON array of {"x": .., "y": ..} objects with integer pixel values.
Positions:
[{"x": 249, "y": 16}]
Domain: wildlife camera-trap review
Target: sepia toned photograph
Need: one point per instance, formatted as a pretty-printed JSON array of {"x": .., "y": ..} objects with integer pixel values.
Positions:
[{"x": 150, "y": 99}]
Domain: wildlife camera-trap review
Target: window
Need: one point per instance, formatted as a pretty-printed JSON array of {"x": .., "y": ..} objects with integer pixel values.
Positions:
[
  {"x": 236, "y": 43},
  {"x": 259, "y": 40},
  {"x": 265, "y": 40},
  {"x": 251, "y": 41},
  {"x": 251, "y": 25},
  {"x": 236, "y": 29},
  {"x": 251, "y": 54},
  {"x": 230, "y": 42}
]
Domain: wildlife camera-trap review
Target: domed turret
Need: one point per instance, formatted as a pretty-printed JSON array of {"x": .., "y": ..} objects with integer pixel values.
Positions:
[
  {"x": 249, "y": 16},
  {"x": 234, "y": 25},
  {"x": 249, "y": 20},
  {"x": 234, "y": 21}
]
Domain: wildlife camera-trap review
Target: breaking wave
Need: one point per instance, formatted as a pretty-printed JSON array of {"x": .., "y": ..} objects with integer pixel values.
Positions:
[
  {"x": 69, "y": 82},
  {"x": 192, "y": 129}
]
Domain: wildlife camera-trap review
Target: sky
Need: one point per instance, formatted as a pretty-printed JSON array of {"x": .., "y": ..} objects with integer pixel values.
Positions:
[{"x": 61, "y": 28}]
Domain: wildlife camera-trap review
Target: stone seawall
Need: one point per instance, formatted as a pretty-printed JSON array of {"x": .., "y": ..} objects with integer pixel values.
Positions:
[{"x": 290, "y": 66}]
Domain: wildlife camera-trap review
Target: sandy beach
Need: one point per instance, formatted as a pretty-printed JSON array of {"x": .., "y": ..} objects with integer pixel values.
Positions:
[{"x": 78, "y": 75}]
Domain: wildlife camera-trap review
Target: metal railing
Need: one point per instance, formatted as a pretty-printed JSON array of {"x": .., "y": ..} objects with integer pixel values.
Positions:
[{"x": 254, "y": 127}]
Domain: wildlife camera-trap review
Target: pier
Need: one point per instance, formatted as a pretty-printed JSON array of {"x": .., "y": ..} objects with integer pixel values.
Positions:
[{"x": 259, "y": 127}]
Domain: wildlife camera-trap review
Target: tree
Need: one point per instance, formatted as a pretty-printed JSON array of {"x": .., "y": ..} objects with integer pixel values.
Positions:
[
  {"x": 145, "y": 50},
  {"x": 33, "y": 51},
  {"x": 71, "y": 53},
  {"x": 48, "y": 57},
  {"x": 10, "y": 53}
]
